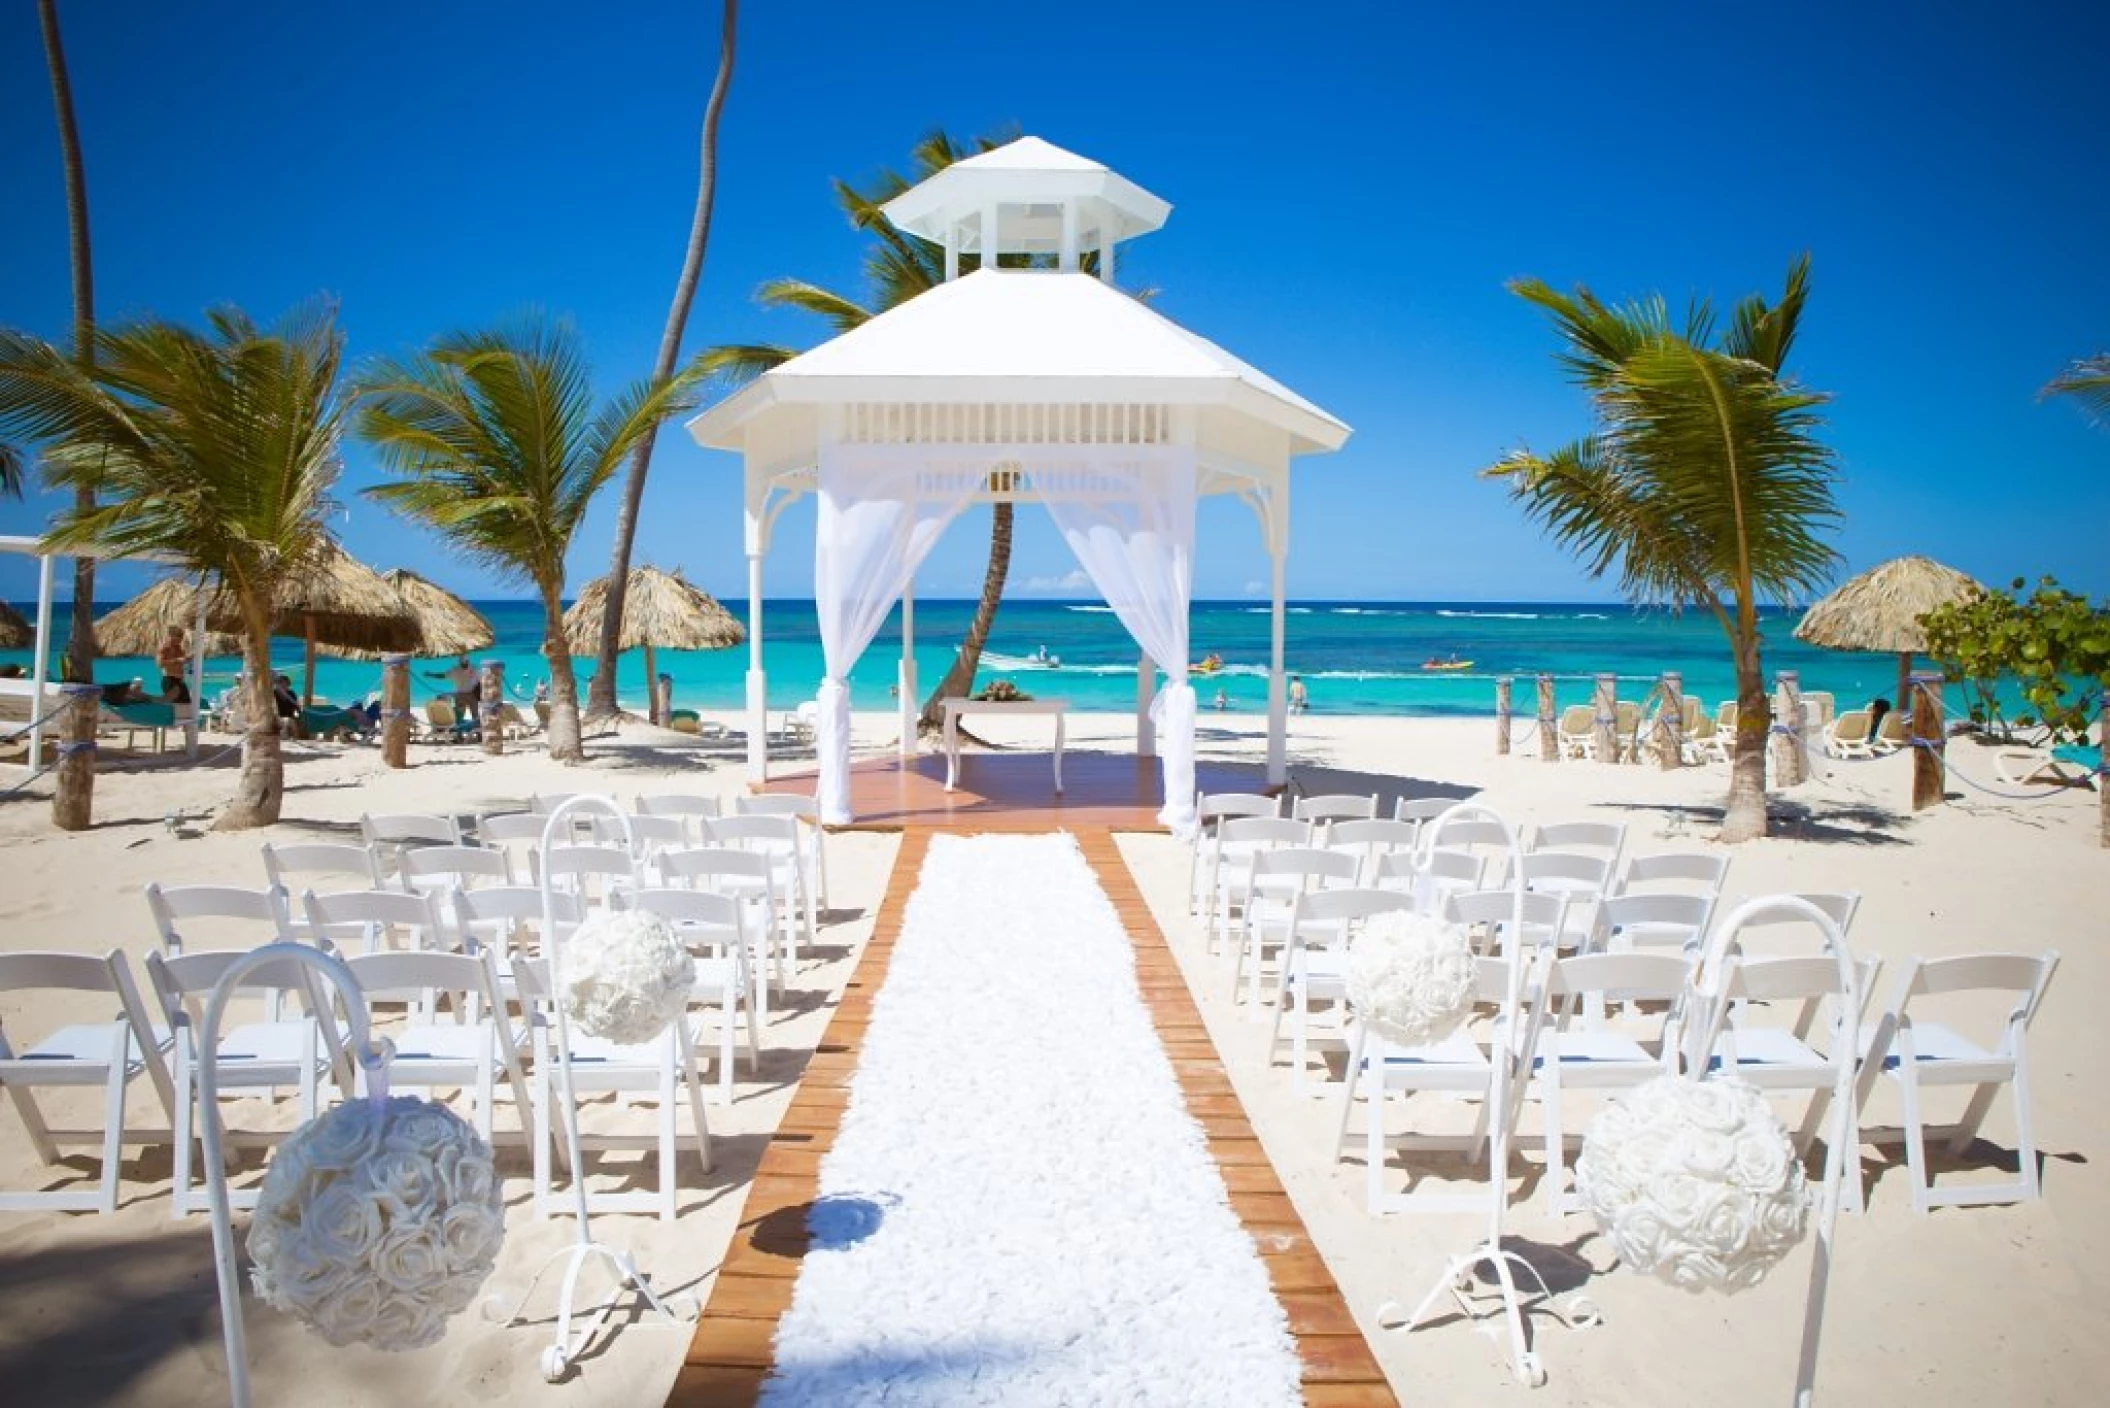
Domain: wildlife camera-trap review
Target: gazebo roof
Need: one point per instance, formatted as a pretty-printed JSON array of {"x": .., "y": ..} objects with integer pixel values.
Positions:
[
  {"x": 1025, "y": 337},
  {"x": 1030, "y": 176}
]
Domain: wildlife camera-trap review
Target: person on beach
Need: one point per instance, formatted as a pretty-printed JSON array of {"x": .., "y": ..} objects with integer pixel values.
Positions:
[
  {"x": 1298, "y": 702},
  {"x": 462, "y": 681},
  {"x": 1223, "y": 699},
  {"x": 173, "y": 657},
  {"x": 282, "y": 695}
]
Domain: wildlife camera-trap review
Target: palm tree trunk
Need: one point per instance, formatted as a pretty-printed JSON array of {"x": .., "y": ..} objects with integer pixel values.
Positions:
[
  {"x": 601, "y": 701},
  {"x": 960, "y": 678},
  {"x": 80, "y": 641},
  {"x": 261, "y": 788},
  {"x": 564, "y": 744},
  {"x": 1744, "y": 819}
]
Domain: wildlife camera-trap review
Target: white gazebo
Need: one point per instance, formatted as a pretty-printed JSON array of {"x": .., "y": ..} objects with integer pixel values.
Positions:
[{"x": 1015, "y": 385}]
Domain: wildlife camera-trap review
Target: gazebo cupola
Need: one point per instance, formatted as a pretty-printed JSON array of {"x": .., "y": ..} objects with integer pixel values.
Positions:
[{"x": 1028, "y": 197}]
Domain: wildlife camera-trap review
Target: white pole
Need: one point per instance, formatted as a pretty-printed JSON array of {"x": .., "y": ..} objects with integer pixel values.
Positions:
[
  {"x": 989, "y": 235},
  {"x": 1277, "y": 682},
  {"x": 1146, "y": 690},
  {"x": 952, "y": 250},
  {"x": 1069, "y": 237},
  {"x": 906, "y": 683},
  {"x": 757, "y": 682},
  {"x": 1106, "y": 257},
  {"x": 40, "y": 672},
  {"x": 197, "y": 670}
]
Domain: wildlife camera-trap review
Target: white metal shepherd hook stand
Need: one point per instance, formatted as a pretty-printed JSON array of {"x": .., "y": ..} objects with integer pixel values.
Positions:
[
  {"x": 373, "y": 1058},
  {"x": 1579, "y": 1313},
  {"x": 564, "y": 1349}
]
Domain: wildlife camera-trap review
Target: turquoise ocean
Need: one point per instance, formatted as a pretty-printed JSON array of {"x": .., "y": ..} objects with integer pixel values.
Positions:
[{"x": 1354, "y": 657}]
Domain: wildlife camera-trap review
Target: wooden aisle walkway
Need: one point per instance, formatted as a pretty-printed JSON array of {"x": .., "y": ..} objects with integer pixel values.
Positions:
[{"x": 729, "y": 1357}]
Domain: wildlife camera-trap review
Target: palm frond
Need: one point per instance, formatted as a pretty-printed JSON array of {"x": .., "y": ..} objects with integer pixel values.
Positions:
[
  {"x": 741, "y": 362},
  {"x": 843, "y": 312},
  {"x": 2088, "y": 383}
]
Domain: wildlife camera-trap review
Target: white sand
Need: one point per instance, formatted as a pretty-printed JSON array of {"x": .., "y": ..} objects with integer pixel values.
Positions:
[{"x": 1966, "y": 1305}]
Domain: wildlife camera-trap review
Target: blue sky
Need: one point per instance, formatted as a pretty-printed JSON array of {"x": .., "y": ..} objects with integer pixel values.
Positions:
[{"x": 1352, "y": 184}]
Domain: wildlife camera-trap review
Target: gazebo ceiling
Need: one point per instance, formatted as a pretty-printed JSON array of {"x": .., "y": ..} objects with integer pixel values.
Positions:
[{"x": 1021, "y": 338}]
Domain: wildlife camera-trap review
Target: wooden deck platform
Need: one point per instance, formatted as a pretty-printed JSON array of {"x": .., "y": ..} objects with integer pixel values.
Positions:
[
  {"x": 730, "y": 1355},
  {"x": 1015, "y": 791}
]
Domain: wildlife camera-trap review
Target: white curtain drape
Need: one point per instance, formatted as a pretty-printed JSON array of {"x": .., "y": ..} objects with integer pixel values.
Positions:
[
  {"x": 1131, "y": 524},
  {"x": 882, "y": 508}
]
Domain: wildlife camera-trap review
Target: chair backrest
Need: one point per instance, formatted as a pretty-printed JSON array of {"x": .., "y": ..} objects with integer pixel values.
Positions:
[
  {"x": 648, "y": 834},
  {"x": 778, "y": 804},
  {"x": 1608, "y": 837},
  {"x": 1464, "y": 833},
  {"x": 493, "y": 917},
  {"x": 1896, "y": 727},
  {"x": 307, "y": 858},
  {"x": 678, "y": 804},
  {"x": 442, "y": 868},
  {"x": 1572, "y": 872},
  {"x": 1346, "y": 905},
  {"x": 440, "y": 713},
  {"x": 1851, "y": 727},
  {"x": 1263, "y": 831},
  {"x": 1577, "y": 720},
  {"x": 574, "y": 867},
  {"x": 410, "y": 826},
  {"x": 1823, "y": 702},
  {"x": 1622, "y": 977},
  {"x": 501, "y": 827},
  {"x": 393, "y": 976},
  {"x": 697, "y": 916},
  {"x": 705, "y": 864},
  {"x": 1654, "y": 919},
  {"x": 181, "y": 983},
  {"x": 375, "y": 911},
  {"x": 1725, "y": 716},
  {"x": 1544, "y": 914},
  {"x": 1308, "y": 864},
  {"x": 1449, "y": 872},
  {"x": 1839, "y": 907},
  {"x": 174, "y": 904},
  {"x": 1215, "y": 806},
  {"x": 1335, "y": 805},
  {"x": 1688, "y": 869},
  {"x": 1421, "y": 809},
  {"x": 1369, "y": 838},
  {"x": 753, "y": 832}
]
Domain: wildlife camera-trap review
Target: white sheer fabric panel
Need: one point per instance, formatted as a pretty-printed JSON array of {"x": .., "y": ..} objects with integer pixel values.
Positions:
[
  {"x": 881, "y": 509},
  {"x": 1130, "y": 521}
]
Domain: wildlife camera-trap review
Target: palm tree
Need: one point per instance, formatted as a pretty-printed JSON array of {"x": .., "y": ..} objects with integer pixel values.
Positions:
[
  {"x": 216, "y": 448},
  {"x": 897, "y": 267},
  {"x": 494, "y": 440},
  {"x": 1704, "y": 482},
  {"x": 600, "y": 702},
  {"x": 2088, "y": 382},
  {"x": 80, "y": 641}
]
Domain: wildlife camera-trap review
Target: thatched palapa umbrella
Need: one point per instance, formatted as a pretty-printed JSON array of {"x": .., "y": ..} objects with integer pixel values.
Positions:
[
  {"x": 660, "y": 612},
  {"x": 1880, "y": 610},
  {"x": 141, "y": 624},
  {"x": 14, "y": 631},
  {"x": 447, "y": 625}
]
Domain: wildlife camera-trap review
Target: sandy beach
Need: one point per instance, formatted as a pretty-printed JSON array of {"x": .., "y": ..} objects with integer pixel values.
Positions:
[{"x": 1967, "y": 1305}]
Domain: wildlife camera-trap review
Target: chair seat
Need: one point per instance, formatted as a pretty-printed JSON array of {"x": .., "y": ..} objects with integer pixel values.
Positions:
[
  {"x": 1588, "y": 1058},
  {"x": 1941, "y": 1057},
  {"x": 1459, "y": 1050},
  {"x": 86, "y": 1045},
  {"x": 443, "y": 1043},
  {"x": 1768, "y": 1056}
]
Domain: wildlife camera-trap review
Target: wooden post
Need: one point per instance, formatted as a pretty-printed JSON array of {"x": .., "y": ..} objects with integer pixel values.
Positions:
[
  {"x": 2102, "y": 766},
  {"x": 395, "y": 711},
  {"x": 655, "y": 711},
  {"x": 73, "y": 792},
  {"x": 1928, "y": 757},
  {"x": 488, "y": 704},
  {"x": 1502, "y": 716},
  {"x": 1605, "y": 723},
  {"x": 1549, "y": 737},
  {"x": 1670, "y": 737},
  {"x": 663, "y": 700},
  {"x": 1791, "y": 764}
]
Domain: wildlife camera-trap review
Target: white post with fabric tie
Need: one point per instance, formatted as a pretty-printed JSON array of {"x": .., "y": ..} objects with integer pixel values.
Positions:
[
  {"x": 1277, "y": 678},
  {"x": 905, "y": 686},
  {"x": 757, "y": 681},
  {"x": 1146, "y": 697}
]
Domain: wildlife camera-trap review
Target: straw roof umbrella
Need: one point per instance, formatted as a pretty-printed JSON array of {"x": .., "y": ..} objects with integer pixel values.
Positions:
[
  {"x": 660, "y": 612},
  {"x": 141, "y": 624},
  {"x": 447, "y": 625},
  {"x": 14, "y": 631},
  {"x": 1880, "y": 610}
]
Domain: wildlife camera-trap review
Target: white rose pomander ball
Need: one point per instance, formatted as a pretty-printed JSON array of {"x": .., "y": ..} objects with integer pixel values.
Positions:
[
  {"x": 1411, "y": 977},
  {"x": 626, "y": 977},
  {"x": 1696, "y": 1182},
  {"x": 374, "y": 1226}
]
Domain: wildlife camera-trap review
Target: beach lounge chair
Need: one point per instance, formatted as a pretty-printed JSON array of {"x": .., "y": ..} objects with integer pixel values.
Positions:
[
  {"x": 2047, "y": 767},
  {"x": 443, "y": 726},
  {"x": 327, "y": 721},
  {"x": 1576, "y": 732},
  {"x": 1919, "y": 1054},
  {"x": 714, "y": 929},
  {"x": 471, "y": 1050},
  {"x": 1626, "y": 727},
  {"x": 1722, "y": 742},
  {"x": 111, "y": 1054},
  {"x": 1894, "y": 732},
  {"x": 1847, "y": 736},
  {"x": 152, "y": 719}
]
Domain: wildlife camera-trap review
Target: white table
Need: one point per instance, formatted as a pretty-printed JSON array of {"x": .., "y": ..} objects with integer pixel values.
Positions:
[{"x": 954, "y": 708}]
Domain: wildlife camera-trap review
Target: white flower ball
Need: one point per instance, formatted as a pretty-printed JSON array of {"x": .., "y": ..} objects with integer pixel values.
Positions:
[
  {"x": 1696, "y": 1182},
  {"x": 626, "y": 976},
  {"x": 1411, "y": 977},
  {"x": 375, "y": 1226}
]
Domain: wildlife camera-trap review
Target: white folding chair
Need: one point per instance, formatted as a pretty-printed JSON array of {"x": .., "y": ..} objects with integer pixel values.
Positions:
[
  {"x": 1462, "y": 1064},
  {"x": 389, "y": 834},
  {"x": 1314, "y": 964},
  {"x": 1839, "y": 907},
  {"x": 1917, "y": 1054},
  {"x": 261, "y": 916},
  {"x": 1277, "y": 877},
  {"x": 1211, "y": 809},
  {"x": 1484, "y": 840},
  {"x": 1633, "y": 922},
  {"x": 377, "y": 919},
  {"x": 1491, "y": 914},
  {"x": 808, "y": 812},
  {"x": 686, "y": 805},
  {"x": 663, "y": 1067},
  {"x": 715, "y": 929},
  {"x": 111, "y": 1054},
  {"x": 1605, "y": 839},
  {"x": 1420, "y": 810},
  {"x": 499, "y": 919},
  {"x": 590, "y": 872},
  {"x": 298, "y": 866},
  {"x": 472, "y": 1052},
  {"x": 778, "y": 838},
  {"x": 1370, "y": 838},
  {"x": 1431, "y": 877},
  {"x": 254, "y": 1057},
  {"x": 1323, "y": 810},
  {"x": 1564, "y": 1053},
  {"x": 1238, "y": 840},
  {"x": 1684, "y": 872},
  {"x": 1577, "y": 877},
  {"x": 750, "y": 878},
  {"x": 517, "y": 834},
  {"x": 441, "y": 870}
]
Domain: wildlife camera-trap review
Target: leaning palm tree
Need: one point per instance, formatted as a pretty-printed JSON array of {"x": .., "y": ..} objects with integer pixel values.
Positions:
[
  {"x": 897, "y": 267},
  {"x": 217, "y": 449},
  {"x": 80, "y": 647},
  {"x": 608, "y": 640},
  {"x": 2088, "y": 382},
  {"x": 493, "y": 440},
  {"x": 1704, "y": 483}
]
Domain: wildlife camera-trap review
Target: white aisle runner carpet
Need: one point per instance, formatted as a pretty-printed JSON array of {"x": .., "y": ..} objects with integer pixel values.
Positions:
[{"x": 1017, "y": 1208}]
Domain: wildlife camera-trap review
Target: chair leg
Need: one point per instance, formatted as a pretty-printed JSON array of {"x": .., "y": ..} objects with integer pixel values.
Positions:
[
  {"x": 186, "y": 1104},
  {"x": 113, "y": 1135},
  {"x": 1355, "y": 1074},
  {"x": 1915, "y": 1136},
  {"x": 669, "y": 1078},
  {"x": 2025, "y": 1131},
  {"x": 1374, "y": 1135},
  {"x": 703, "y": 1123},
  {"x": 33, "y": 1121},
  {"x": 1556, "y": 1137},
  {"x": 728, "y": 1017},
  {"x": 545, "y": 1097}
]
